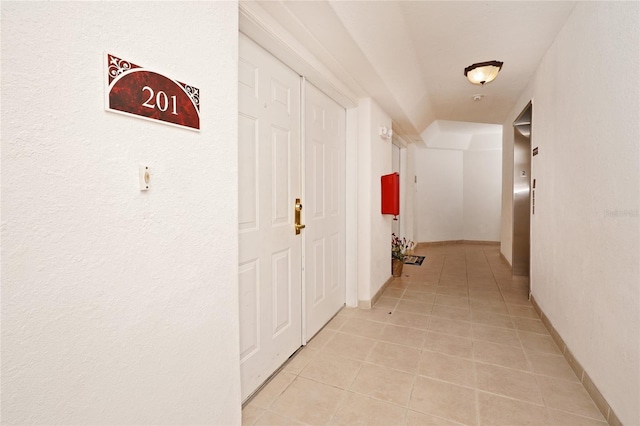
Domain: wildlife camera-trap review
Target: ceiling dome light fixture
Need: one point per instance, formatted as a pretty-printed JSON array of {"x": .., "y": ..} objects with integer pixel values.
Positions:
[{"x": 483, "y": 72}]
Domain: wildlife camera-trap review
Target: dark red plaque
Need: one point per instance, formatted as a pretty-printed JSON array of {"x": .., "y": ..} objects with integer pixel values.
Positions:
[{"x": 137, "y": 91}]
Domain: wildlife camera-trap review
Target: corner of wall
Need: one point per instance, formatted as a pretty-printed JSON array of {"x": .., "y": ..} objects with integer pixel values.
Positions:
[{"x": 374, "y": 230}]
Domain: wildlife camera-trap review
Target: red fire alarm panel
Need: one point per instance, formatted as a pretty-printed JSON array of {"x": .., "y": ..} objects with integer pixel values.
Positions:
[{"x": 391, "y": 194}]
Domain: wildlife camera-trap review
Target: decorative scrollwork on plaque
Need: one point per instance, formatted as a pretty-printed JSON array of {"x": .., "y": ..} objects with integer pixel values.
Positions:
[
  {"x": 118, "y": 66},
  {"x": 194, "y": 94}
]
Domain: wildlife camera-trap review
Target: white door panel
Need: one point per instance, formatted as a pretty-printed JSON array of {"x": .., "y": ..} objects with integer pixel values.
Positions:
[
  {"x": 269, "y": 181},
  {"x": 325, "y": 210},
  {"x": 271, "y": 269}
]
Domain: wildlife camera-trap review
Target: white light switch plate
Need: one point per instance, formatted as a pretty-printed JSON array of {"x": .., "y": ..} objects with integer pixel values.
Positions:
[{"x": 145, "y": 178}]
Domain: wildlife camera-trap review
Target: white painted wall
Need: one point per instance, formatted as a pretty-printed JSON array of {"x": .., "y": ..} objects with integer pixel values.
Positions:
[
  {"x": 481, "y": 193},
  {"x": 397, "y": 227},
  {"x": 118, "y": 307},
  {"x": 439, "y": 195},
  {"x": 458, "y": 193},
  {"x": 585, "y": 233},
  {"x": 374, "y": 228},
  {"x": 351, "y": 196}
]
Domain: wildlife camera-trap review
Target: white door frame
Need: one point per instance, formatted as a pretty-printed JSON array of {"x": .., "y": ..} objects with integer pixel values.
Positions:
[
  {"x": 401, "y": 144},
  {"x": 261, "y": 27}
]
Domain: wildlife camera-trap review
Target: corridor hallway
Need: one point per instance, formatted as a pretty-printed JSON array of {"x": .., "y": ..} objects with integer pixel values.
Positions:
[{"x": 454, "y": 341}]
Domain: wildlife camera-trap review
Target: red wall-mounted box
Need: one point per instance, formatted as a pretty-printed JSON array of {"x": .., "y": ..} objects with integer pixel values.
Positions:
[{"x": 390, "y": 194}]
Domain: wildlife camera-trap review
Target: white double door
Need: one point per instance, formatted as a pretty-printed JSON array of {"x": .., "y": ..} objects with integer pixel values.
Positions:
[{"x": 291, "y": 146}]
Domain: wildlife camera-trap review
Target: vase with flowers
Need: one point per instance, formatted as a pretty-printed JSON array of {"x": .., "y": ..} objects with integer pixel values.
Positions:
[{"x": 399, "y": 248}]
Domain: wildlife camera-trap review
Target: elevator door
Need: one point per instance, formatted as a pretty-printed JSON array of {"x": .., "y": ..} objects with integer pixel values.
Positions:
[{"x": 522, "y": 192}]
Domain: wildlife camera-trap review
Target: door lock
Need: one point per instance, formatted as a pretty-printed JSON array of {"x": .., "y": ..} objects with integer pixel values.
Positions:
[{"x": 298, "y": 225}]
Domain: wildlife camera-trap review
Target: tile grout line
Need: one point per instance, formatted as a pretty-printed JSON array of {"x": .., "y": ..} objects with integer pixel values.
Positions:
[
  {"x": 475, "y": 366},
  {"x": 413, "y": 386},
  {"x": 346, "y": 392},
  {"x": 529, "y": 363}
]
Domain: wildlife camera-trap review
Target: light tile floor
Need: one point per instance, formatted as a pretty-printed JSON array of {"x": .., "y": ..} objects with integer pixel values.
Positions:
[{"x": 454, "y": 341}]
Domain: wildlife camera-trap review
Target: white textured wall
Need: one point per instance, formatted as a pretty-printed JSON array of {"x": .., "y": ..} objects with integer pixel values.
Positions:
[
  {"x": 586, "y": 230},
  {"x": 458, "y": 193},
  {"x": 352, "y": 218},
  {"x": 439, "y": 196},
  {"x": 364, "y": 194},
  {"x": 118, "y": 307},
  {"x": 374, "y": 228},
  {"x": 482, "y": 185}
]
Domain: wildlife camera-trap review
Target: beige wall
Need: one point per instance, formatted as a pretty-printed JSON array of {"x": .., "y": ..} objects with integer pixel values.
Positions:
[{"x": 585, "y": 231}]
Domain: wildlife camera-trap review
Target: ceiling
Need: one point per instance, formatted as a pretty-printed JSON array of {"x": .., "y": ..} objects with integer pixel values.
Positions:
[{"x": 410, "y": 55}]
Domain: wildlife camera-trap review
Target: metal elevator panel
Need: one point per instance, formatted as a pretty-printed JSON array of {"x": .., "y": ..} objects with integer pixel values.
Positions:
[{"x": 522, "y": 192}]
